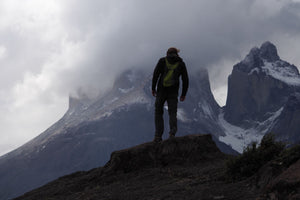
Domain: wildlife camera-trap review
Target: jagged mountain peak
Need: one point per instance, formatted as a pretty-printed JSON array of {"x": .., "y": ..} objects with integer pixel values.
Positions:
[
  {"x": 259, "y": 87},
  {"x": 268, "y": 51},
  {"x": 128, "y": 79},
  {"x": 252, "y": 59},
  {"x": 264, "y": 61},
  {"x": 257, "y": 57}
]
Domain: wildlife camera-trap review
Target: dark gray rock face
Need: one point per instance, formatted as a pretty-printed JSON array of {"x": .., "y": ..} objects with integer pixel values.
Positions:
[
  {"x": 92, "y": 129},
  {"x": 200, "y": 106},
  {"x": 287, "y": 126},
  {"x": 259, "y": 85},
  {"x": 268, "y": 51}
]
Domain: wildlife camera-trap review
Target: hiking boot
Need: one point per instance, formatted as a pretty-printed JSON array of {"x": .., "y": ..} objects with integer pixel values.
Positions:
[
  {"x": 157, "y": 139},
  {"x": 171, "y": 136}
]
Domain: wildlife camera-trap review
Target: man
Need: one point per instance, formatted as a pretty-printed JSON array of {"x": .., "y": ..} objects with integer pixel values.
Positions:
[{"x": 165, "y": 86}]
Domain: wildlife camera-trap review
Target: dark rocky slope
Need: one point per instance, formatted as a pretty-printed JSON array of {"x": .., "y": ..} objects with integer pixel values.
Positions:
[
  {"x": 189, "y": 167},
  {"x": 285, "y": 186}
]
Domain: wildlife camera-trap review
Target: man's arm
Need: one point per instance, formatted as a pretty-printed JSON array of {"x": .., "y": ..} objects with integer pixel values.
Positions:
[
  {"x": 185, "y": 82},
  {"x": 156, "y": 74}
]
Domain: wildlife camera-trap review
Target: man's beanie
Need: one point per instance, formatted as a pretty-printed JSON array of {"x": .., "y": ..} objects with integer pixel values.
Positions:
[{"x": 173, "y": 50}]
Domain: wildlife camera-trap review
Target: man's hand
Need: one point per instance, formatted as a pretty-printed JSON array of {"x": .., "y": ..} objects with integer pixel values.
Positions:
[
  {"x": 154, "y": 93},
  {"x": 182, "y": 98}
]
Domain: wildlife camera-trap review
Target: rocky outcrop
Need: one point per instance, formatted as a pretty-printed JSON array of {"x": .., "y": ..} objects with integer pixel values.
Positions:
[
  {"x": 183, "y": 150},
  {"x": 189, "y": 167}
]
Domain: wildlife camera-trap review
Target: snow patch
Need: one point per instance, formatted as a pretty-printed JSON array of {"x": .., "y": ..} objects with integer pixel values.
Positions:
[
  {"x": 254, "y": 70},
  {"x": 114, "y": 99},
  {"x": 131, "y": 77},
  {"x": 107, "y": 114},
  {"x": 124, "y": 91},
  {"x": 207, "y": 111},
  {"x": 239, "y": 138},
  {"x": 268, "y": 124},
  {"x": 181, "y": 115},
  {"x": 279, "y": 70}
]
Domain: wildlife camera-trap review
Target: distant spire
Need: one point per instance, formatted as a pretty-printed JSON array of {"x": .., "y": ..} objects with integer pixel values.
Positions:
[{"x": 268, "y": 51}]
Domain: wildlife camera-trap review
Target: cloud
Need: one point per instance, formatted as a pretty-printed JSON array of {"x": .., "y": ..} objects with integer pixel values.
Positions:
[
  {"x": 49, "y": 49},
  {"x": 2, "y": 52}
]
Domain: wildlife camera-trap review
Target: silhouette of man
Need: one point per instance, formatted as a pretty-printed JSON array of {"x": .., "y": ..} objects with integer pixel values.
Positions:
[{"x": 165, "y": 86}]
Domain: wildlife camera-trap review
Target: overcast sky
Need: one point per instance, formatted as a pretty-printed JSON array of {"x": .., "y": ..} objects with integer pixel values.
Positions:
[{"x": 49, "y": 49}]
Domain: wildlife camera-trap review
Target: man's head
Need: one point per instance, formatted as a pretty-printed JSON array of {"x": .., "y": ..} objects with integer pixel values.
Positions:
[{"x": 172, "y": 52}]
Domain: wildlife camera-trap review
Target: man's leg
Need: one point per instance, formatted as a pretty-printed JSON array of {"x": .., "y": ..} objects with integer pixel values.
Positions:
[
  {"x": 172, "y": 109},
  {"x": 159, "y": 121}
]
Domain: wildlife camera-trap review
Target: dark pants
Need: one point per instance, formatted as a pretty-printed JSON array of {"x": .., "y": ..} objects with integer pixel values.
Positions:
[{"x": 172, "y": 101}]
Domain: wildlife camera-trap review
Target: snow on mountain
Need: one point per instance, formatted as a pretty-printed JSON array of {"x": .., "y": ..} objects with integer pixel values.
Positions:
[
  {"x": 127, "y": 90},
  {"x": 206, "y": 109},
  {"x": 182, "y": 115},
  {"x": 279, "y": 70},
  {"x": 239, "y": 138},
  {"x": 258, "y": 85},
  {"x": 260, "y": 88},
  {"x": 266, "y": 60}
]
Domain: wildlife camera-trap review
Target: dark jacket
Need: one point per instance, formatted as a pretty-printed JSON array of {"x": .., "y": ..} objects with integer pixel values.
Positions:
[{"x": 161, "y": 70}]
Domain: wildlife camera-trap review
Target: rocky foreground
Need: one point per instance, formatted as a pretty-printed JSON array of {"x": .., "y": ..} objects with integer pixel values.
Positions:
[{"x": 189, "y": 167}]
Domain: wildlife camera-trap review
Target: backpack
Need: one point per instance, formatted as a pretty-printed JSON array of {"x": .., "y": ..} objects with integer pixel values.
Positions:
[{"x": 169, "y": 77}]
